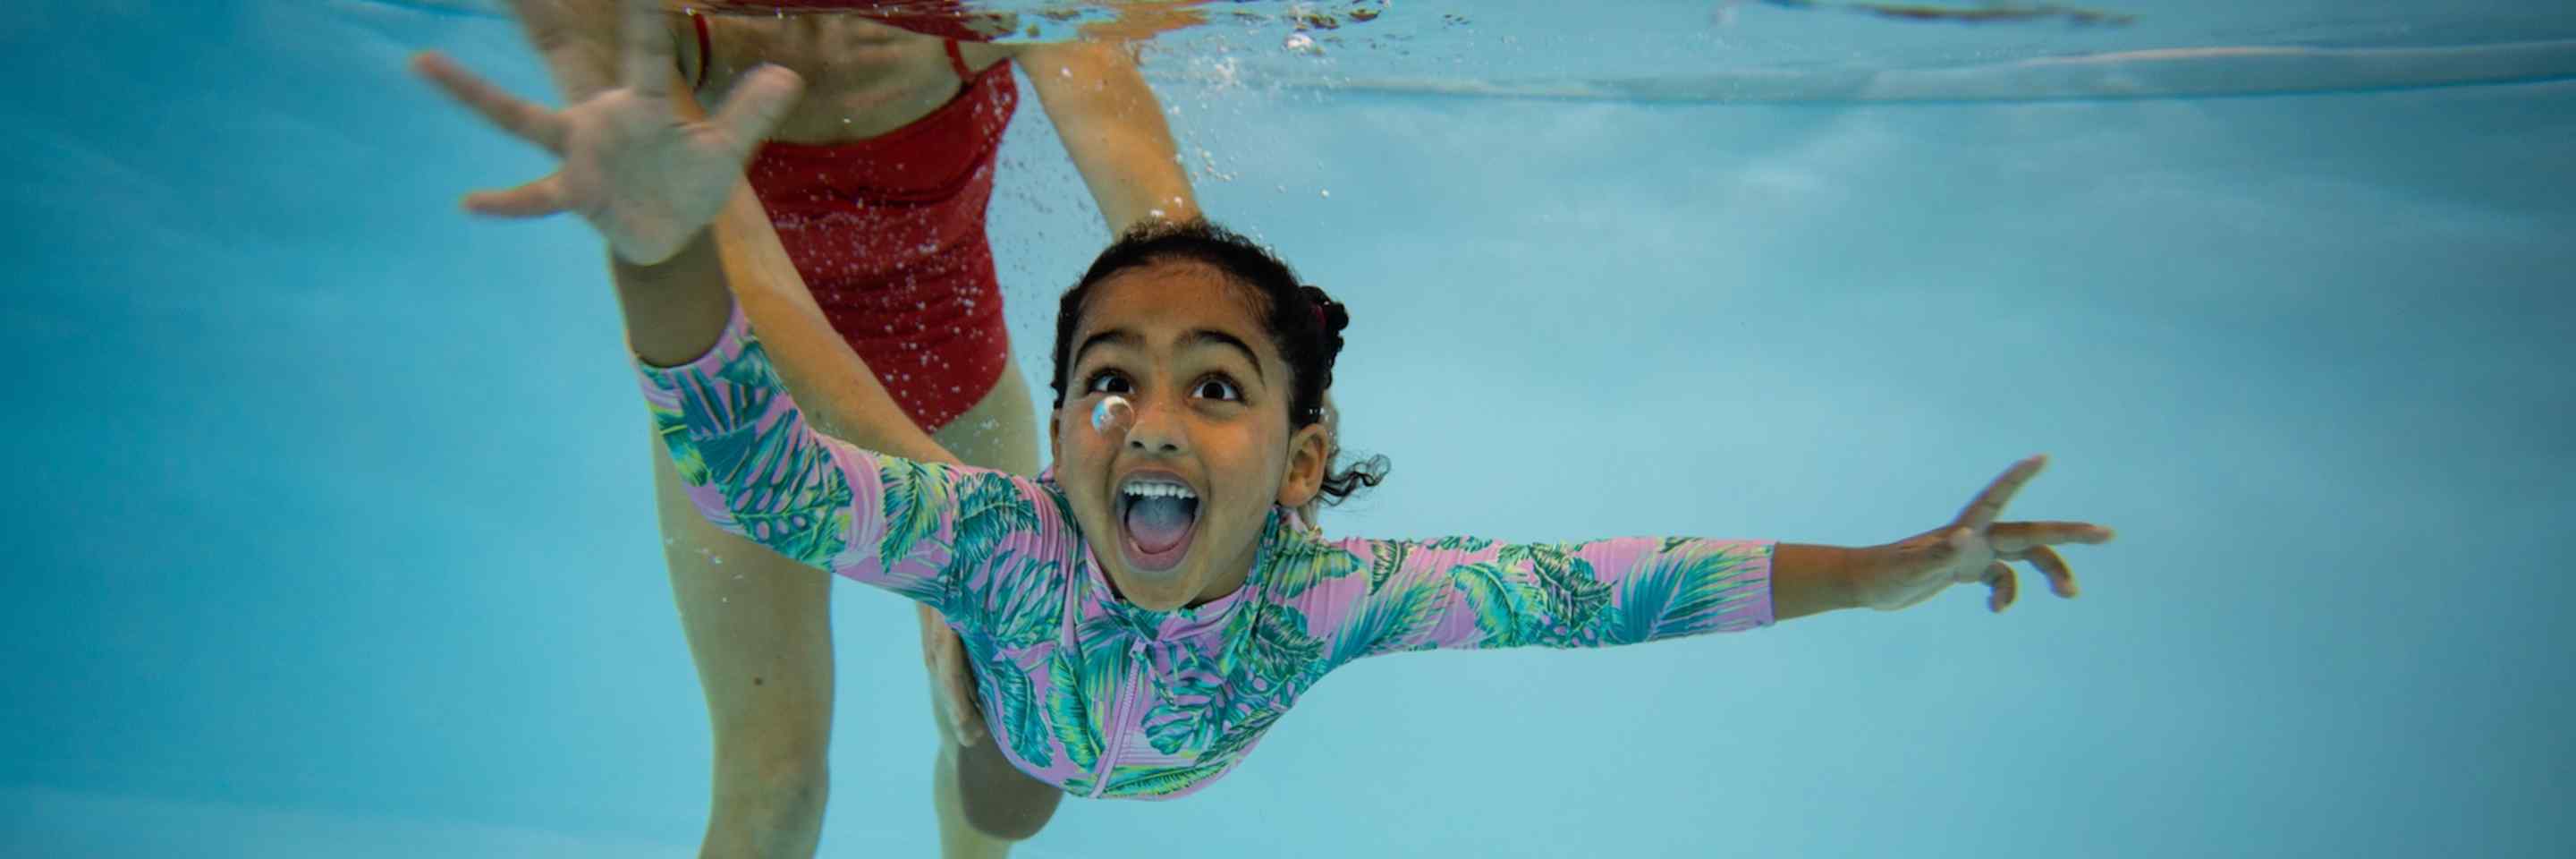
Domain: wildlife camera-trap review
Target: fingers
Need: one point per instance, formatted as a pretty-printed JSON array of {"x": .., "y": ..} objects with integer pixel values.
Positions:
[
  {"x": 533, "y": 200},
  {"x": 646, "y": 52},
  {"x": 2061, "y": 579},
  {"x": 1999, "y": 577},
  {"x": 965, "y": 719},
  {"x": 756, "y": 105},
  {"x": 943, "y": 652},
  {"x": 515, "y": 115},
  {"x": 935, "y": 659},
  {"x": 2030, "y": 541},
  {"x": 1137, "y": 22},
  {"x": 1990, "y": 503},
  {"x": 2012, "y": 537}
]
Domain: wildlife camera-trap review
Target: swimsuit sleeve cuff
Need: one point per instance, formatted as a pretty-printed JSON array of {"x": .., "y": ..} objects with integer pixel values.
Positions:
[
  {"x": 728, "y": 348},
  {"x": 1756, "y": 609},
  {"x": 1762, "y": 609}
]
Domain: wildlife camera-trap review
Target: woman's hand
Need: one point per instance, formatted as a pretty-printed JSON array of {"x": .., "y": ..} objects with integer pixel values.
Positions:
[
  {"x": 645, "y": 176},
  {"x": 1972, "y": 548},
  {"x": 1133, "y": 21}
]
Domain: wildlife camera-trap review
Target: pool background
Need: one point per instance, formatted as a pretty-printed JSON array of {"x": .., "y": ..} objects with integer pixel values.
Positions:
[{"x": 333, "y": 530}]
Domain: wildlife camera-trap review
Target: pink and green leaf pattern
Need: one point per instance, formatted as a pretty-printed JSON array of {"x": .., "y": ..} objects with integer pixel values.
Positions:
[{"x": 1103, "y": 698}]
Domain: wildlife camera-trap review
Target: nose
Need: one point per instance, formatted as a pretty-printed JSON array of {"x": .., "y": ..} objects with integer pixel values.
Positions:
[{"x": 1156, "y": 431}]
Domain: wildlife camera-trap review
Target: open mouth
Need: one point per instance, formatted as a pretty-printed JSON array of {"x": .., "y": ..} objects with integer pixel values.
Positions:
[{"x": 1157, "y": 515}]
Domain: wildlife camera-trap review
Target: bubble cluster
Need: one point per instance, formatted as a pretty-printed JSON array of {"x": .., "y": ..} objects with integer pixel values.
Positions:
[{"x": 1112, "y": 411}]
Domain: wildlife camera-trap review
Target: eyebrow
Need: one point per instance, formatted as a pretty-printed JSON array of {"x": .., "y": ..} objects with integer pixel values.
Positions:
[{"x": 1196, "y": 337}]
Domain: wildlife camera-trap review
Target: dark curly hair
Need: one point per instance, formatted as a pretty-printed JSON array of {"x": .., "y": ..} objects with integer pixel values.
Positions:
[{"x": 1303, "y": 323}]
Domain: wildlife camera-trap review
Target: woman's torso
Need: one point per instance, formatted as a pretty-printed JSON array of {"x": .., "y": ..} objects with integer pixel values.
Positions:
[
  {"x": 863, "y": 77},
  {"x": 877, "y": 183}
]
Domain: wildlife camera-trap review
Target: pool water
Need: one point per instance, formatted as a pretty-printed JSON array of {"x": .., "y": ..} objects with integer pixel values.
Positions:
[{"x": 333, "y": 533}]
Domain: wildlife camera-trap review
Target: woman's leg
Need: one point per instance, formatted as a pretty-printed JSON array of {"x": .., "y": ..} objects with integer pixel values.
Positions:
[
  {"x": 984, "y": 804},
  {"x": 760, "y": 629}
]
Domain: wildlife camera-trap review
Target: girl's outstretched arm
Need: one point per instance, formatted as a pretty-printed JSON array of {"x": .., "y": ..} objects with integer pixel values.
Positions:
[
  {"x": 1361, "y": 597},
  {"x": 651, "y": 180},
  {"x": 752, "y": 466},
  {"x": 1352, "y": 598},
  {"x": 580, "y": 40}
]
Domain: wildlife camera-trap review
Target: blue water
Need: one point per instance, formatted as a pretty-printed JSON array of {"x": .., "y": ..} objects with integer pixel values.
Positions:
[{"x": 333, "y": 532}]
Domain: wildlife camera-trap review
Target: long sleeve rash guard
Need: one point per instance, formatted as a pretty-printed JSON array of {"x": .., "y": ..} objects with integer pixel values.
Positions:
[{"x": 1103, "y": 698}]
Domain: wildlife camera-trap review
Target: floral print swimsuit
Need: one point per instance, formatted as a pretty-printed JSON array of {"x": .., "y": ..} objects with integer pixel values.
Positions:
[{"x": 1102, "y": 698}]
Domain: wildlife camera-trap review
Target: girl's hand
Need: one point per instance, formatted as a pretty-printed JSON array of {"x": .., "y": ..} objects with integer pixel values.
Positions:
[
  {"x": 643, "y": 175},
  {"x": 1972, "y": 548},
  {"x": 952, "y": 679}
]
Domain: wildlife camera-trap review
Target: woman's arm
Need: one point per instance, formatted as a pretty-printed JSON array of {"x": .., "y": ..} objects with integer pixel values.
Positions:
[
  {"x": 749, "y": 463},
  {"x": 675, "y": 308},
  {"x": 748, "y": 460},
  {"x": 746, "y": 452},
  {"x": 878, "y": 501},
  {"x": 1113, "y": 129}
]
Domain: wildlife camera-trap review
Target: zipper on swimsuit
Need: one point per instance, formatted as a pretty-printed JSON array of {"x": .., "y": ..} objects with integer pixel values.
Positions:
[{"x": 1118, "y": 719}]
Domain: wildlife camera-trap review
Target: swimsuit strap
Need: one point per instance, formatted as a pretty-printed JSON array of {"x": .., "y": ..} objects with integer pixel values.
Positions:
[
  {"x": 958, "y": 61},
  {"x": 706, "y": 53}
]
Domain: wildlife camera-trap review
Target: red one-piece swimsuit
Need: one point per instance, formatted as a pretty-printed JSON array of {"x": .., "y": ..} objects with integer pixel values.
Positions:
[{"x": 888, "y": 233}]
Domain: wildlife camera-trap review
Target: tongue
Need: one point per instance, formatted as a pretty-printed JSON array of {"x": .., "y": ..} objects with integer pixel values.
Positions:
[{"x": 1158, "y": 523}]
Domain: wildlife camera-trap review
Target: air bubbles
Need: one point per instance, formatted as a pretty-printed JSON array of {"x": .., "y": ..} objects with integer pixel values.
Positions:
[{"x": 1112, "y": 411}]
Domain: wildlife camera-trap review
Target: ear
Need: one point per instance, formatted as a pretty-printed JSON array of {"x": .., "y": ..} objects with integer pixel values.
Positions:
[
  {"x": 1055, "y": 437},
  {"x": 1310, "y": 453}
]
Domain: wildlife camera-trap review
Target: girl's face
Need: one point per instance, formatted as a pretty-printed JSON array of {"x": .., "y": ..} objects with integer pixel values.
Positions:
[{"x": 1174, "y": 502}]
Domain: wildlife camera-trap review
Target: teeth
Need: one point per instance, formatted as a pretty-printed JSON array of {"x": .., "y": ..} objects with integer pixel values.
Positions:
[{"x": 1159, "y": 489}]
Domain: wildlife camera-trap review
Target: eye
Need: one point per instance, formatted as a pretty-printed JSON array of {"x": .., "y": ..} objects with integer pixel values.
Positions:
[
  {"x": 1218, "y": 388},
  {"x": 1106, "y": 382}
]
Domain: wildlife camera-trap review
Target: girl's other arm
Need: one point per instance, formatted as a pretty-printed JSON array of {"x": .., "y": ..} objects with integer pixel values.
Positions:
[
  {"x": 1808, "y": 579},
  {"x": 651, "y": 181},
  {"x": 1363, "y": 597},
  {"x": 1366, "y": 597}
]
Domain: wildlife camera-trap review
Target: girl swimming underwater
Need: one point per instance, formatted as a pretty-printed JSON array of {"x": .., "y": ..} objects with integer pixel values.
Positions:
[{"x": 1140, "y": 618}]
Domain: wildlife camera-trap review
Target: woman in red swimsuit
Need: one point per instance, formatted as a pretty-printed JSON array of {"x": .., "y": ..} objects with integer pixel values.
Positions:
[{"x": 877, "y": 181}]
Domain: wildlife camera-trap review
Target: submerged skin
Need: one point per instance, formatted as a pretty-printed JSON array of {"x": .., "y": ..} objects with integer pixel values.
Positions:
[
  {"x": 1115, "y": 679},
  {"x": 1210, "y": 393},
  {"x": 639, "y": 176},
  {"x": 758, "y": 627},
  {"x": 866, "y": 79}
]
